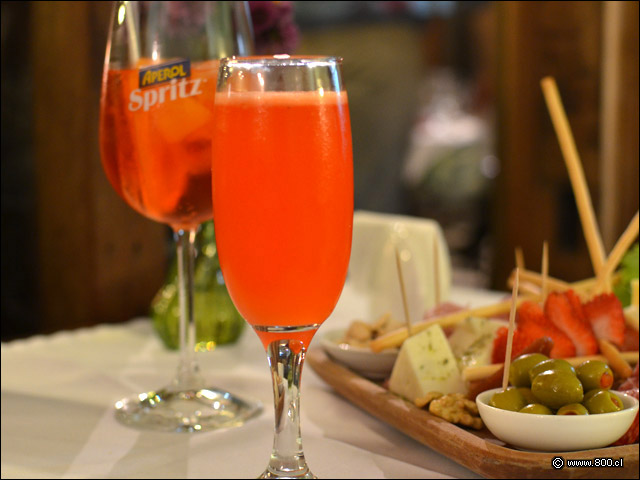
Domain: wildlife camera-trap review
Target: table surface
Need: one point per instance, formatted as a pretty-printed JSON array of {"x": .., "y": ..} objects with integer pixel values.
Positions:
[{"x": 58, "y": 393}]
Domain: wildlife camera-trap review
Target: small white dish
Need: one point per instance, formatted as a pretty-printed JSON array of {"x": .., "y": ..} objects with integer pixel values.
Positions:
[
  {"x": 556, "y": 433},
  {"x": 375, "y": 366}
]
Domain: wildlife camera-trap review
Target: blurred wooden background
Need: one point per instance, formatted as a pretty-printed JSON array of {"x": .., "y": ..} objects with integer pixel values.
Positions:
[
  {"x": 591, "y": 48},
  {"x": 92, "y": 259},
  {"x": 74, "y": 254}
]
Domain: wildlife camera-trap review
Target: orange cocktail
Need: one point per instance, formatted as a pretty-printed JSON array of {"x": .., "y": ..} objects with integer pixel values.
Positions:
[
  {"x": 156, "y": 143},
  {"x": 283, "y": 205},
  {"x": 156, "y": 122},
  {"x": 282, "y": 176}
]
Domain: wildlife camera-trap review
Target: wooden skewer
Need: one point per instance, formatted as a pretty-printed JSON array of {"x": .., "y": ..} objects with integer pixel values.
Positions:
[
  {"x": 576, "y": 173},
  {"x": 618, "y": 251},
  {"x": 634, "y": 292},
  {"x": 583, "y": 287},
  {"x": 545, "y": 270},
  {"x": 407, "y": 318},
  {"x": 519, "y": 258},
  {"x": 528, "y": 288},
  {"x": 396, "y": 337},
  {"x": 483, "y": 371},
  {"x": 535, "y": 278},
  {"x": 512, "y": 327},
  {"x": 530, "y": 283}
]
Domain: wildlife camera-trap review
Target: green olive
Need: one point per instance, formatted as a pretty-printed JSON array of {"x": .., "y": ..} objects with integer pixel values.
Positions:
[
  {"x": 509, "y": 399},
  {"x": 603, "y": 401},
  {"x": 572, "y": 409},
  {"x": 528, "y": 395},
  {"x": 555, "y": 388},
  {"x": 519, "y": 369},
  {"x": 595, "y": 374},
  {"x": 551, "y": 364},
  {"x": 591, "y": 393},
  {"x": 537, "y": 409}
]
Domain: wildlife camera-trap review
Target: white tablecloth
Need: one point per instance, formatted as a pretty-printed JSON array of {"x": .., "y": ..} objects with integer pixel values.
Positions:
[{"x": 58, "y": 393}]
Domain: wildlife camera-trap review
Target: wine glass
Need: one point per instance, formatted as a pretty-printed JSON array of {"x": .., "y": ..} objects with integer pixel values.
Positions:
[
  {"x": 156, "y": 118},
  {"x": 283, "y": 213}
]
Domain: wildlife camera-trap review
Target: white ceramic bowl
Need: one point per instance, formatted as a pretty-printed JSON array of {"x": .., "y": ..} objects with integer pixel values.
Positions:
[
  {"x": 556, "y": 433},
  {"x": 376, "y": 366}
]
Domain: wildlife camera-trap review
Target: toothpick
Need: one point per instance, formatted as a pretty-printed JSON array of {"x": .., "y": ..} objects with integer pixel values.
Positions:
[
  {"x": 512, "y": 321},
  {"x": 407, "y": 318},
  {"x": 634, "y": 292},
  {"x": 525, "y": 286},
  {"x": 576, "y": 173},
  {"x": 545, "y": 270}
]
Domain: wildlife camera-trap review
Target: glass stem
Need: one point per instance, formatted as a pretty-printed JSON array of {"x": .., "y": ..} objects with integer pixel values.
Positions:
[
  {"x": 188, "y": 375},
  {"x": 286, "y": 358}
]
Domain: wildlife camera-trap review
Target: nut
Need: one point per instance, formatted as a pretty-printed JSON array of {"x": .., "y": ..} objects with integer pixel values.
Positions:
[
  {"x": 456, "y": 408},
  {"x": 427, "y": 399},
  {"x": 360, "y": 333}
]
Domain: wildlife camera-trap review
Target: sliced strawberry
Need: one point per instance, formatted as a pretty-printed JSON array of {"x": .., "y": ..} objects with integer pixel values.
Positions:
[
  {"x": 532, "y": 320},
  {"x": 606, "y": 316},
  {"x": 576, "y": 304},
  {"x": 519, "y": 343},
  {"x": 564, "y": 309}
]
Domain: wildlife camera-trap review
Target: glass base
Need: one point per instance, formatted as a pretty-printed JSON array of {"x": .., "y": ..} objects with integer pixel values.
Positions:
[
  {"x": 268, "y": 473},
  {"x": 197, "y": 410}
]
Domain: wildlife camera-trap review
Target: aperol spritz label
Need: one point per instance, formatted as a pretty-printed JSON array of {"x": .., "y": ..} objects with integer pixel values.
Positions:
[
  {"x": 165, "y": 72},
  {"x": 162, "y": 83}
]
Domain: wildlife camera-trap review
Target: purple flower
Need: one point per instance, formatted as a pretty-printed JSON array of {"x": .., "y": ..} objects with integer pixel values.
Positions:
[{"x": 274, "y": 27}]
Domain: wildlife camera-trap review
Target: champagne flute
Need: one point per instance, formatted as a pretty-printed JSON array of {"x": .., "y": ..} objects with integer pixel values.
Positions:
[
  {"x": 283, "y": 213},
  {"x": 156, "y": 117}
]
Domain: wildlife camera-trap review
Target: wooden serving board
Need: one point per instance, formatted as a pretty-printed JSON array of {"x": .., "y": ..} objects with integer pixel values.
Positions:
[{"x": 478, "y": 451}]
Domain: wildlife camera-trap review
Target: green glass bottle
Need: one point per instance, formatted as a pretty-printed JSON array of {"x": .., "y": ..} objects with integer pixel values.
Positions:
[{"x": 217, "y": 320}]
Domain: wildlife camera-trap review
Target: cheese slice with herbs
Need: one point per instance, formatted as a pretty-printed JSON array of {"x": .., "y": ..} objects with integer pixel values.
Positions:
[{"x": 426, "y": 364}]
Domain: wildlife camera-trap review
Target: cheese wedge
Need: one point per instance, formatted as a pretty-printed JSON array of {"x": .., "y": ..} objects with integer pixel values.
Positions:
[
  {"x": 425, "y": 262},
  {"x": 426, "y": 364},
  {"x": 472, "y": 340}
]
